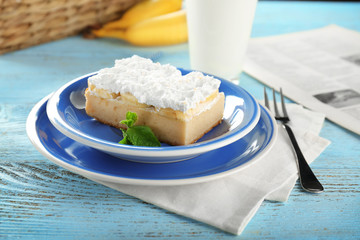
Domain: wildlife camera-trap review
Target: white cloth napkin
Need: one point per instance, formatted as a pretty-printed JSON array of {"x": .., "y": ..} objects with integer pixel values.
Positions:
[{"x": 229, "y": 203}]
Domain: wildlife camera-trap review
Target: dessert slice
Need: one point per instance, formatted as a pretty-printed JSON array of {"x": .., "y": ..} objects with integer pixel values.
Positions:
[{"x": 179, "y": 109}]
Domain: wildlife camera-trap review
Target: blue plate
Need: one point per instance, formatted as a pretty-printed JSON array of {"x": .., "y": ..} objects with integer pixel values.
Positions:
[
  {"x": 66, "y": 112},
  {"x": 98, "y": 165}
]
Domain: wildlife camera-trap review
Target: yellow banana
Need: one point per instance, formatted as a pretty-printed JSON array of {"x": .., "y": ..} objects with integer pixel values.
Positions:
[
  {"x": 144, "y": 10},
  {"x": 166, "y": 29}
]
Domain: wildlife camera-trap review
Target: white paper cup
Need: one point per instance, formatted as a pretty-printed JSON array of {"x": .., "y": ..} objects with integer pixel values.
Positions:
[{"x": 219, "y": 32}]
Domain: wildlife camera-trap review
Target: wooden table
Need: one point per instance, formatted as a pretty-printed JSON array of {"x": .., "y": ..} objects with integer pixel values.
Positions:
[{"x": 40, "y": 200}]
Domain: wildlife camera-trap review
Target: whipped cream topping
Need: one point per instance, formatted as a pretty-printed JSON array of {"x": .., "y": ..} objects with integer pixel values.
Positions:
[{"x": 155, "y": 84}]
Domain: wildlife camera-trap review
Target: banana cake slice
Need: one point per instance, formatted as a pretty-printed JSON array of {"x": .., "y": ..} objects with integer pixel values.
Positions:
[{"x": 178, "y": 108}]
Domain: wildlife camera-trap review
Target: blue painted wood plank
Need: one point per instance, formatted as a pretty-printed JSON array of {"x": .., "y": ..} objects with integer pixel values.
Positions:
[{"x": 39, "y": 200}]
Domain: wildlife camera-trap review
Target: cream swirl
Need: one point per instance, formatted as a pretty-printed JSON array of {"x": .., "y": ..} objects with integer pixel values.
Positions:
[{"x": 162, "y": 86}]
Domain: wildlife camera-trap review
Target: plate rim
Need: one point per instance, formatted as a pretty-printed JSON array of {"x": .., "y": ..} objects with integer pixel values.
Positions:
[
  {"x": 136, "y": 151},
  {"x": 34, "y": 139}
]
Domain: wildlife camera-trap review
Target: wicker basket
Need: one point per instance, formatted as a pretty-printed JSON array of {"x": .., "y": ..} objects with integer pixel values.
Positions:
[{"x": 25, "y": 23}]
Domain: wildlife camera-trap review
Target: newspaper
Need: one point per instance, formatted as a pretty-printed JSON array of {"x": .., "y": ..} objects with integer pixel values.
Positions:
[{"x": 319, "y": 69}]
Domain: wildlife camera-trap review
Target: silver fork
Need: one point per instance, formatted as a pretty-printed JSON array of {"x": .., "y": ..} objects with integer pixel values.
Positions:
[{"x": 308, "y": 180}]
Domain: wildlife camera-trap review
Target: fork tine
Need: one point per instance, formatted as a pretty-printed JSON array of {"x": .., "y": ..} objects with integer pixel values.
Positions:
[
  {"x": 266, "y": 99},
  {"x": 283, "y": 104},
  {"x": 275, "y": 105}
]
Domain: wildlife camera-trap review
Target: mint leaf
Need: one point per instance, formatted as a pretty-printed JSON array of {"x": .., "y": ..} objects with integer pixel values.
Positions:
[
  {"x": 131, "y": 118},
  {"x": 137, "y": 135},
  {"x": 142, "y": 136},
  {"x": 131, "y": 115},
  {"x": 128, "y": 122},
  {"x": 125, "y": 139}
]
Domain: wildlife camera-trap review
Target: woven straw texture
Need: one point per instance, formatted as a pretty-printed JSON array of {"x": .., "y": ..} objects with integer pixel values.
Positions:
[{"x": 25, "y": 23}]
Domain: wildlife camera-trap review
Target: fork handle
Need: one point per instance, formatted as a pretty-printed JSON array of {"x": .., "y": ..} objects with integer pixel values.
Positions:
[{"x": 308, "y": 180}]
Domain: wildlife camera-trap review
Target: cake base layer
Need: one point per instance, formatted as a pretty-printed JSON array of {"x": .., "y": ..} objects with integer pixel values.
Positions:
[{"x": 166, "y": 128}]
